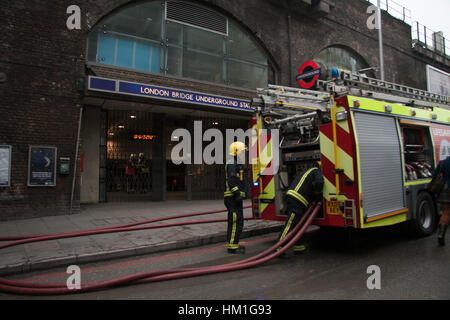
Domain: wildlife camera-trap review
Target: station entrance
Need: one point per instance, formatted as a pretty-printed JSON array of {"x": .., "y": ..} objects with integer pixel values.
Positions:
[{"x": 135, "y": 162}]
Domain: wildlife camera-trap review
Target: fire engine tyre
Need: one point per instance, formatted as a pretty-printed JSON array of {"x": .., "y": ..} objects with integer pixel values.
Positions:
[{"x": 425, "y": 221}]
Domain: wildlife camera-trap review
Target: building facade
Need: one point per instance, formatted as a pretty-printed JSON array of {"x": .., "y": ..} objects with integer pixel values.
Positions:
[{"x": 88, "y": 111}]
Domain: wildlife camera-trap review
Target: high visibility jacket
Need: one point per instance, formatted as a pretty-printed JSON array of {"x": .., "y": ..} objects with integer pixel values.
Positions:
[
  {"x": 307, "y": 186},
  {"x": 234, "y": 179}
]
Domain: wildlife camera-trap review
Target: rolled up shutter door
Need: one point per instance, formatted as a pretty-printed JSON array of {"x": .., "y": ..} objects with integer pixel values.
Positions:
[{"x": 380, "y": 164}]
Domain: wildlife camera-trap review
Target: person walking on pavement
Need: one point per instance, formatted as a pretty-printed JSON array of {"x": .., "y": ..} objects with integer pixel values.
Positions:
[
  {"x": 306, "y": 188},
  {"x": 233, "y": 196},
  {"x": 444, "y": 198}
]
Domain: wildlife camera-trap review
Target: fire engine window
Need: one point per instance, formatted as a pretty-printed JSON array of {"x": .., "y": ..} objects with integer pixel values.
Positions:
[
  {"x": 169, "y": 38},
  {"x": 418, "y": 152}
]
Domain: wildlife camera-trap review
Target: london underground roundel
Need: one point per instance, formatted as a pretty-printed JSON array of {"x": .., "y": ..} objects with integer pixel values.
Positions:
[{"x": 308, "y": 74}]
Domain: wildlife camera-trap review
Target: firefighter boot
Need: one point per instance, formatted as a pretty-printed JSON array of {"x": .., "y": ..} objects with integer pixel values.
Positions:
[
  {"x": 441, "y": 234},
  {"x": 299, "y": 248},
  {"x": 241, "y": 250}
]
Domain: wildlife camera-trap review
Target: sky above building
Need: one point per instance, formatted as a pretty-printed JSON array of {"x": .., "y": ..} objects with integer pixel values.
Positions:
[{"x": 432, "y": 13}]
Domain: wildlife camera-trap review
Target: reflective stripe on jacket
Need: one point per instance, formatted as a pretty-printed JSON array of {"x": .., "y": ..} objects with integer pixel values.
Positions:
[
  {"x": 307, "y": 186},
  {"x": 234, "y": 179}
]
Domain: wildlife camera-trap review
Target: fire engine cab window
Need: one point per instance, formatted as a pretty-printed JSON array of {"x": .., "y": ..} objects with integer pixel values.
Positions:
[
  {"x": 343, "y": 59},
  {"x": 141, "y": 37}
]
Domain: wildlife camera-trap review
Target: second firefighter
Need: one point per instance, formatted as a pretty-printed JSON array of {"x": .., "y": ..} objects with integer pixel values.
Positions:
[
  {"x": 305, "y": 189},
  {"x": 233, "y": 196}
]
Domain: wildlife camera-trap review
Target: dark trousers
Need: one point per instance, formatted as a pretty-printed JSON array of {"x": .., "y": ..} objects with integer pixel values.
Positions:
[
  {"x": 235, "y": 221},
  {"x": 295, "y": 211}
]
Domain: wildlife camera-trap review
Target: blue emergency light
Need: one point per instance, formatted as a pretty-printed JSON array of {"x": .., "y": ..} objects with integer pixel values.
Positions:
[
  {"x": 335, "y": 73},
  {"x": 256, "y": 184}
]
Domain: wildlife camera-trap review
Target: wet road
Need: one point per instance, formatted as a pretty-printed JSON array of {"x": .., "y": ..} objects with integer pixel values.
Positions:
[{"x": 334, "y": 267}]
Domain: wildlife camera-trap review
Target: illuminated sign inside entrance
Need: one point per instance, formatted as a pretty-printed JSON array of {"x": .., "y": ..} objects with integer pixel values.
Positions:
[
  {"x": 141, "y": 136},
  {"x": 137, "y": 136}
]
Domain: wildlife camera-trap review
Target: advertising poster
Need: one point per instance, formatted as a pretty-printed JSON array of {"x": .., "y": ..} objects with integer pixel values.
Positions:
[
  {"x": 5, "y": 166},
  {"x": 42, "y": 166},
  {"x": 441, "y": 137}
]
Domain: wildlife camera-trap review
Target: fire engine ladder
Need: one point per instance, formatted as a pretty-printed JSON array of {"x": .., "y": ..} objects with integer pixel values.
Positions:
[
  {"x": 291, "y": 100},
  {"x": 362, "y": 86}
]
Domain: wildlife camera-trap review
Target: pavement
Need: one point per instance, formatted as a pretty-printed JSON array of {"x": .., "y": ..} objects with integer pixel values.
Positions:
[{"x": 78, "y": 250}]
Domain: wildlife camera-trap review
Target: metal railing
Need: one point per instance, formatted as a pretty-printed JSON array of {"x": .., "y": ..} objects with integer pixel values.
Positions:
[
  {"x": 421, "y": 35},
  {"x": 429, "y": 39},
  {"x": 395, "y": 9}
]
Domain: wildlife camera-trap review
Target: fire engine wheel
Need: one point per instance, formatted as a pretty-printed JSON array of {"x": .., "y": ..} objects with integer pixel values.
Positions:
[{"x": 424, "y": 223}]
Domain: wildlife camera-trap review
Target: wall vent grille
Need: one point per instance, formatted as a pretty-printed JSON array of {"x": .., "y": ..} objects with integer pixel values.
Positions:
[{"x": 197, "y": 16}]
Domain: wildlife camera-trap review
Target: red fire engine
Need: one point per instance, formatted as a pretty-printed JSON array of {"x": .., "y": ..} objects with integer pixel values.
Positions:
[{"x": 378, "y": 144}]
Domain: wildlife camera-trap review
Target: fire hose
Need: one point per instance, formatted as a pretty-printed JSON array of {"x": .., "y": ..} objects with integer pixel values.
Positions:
[
  {"x": 17, "y": 287},
  {"x": 122, "y": 227}
]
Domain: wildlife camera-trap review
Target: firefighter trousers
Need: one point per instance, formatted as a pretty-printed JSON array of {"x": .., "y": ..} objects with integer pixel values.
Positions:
[
  {"x": 235, "y": 221},
  {"x": 295, "y": 212}
]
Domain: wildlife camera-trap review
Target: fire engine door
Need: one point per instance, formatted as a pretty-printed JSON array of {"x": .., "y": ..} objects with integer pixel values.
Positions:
[{"x": 380, "y": 164}]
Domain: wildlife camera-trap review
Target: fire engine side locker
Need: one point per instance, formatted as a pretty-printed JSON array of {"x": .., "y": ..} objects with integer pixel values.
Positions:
[{"x": 380, "y": 166}]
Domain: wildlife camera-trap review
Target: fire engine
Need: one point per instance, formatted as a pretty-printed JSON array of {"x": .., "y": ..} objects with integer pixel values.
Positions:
[{"x": 377, "y": 142}]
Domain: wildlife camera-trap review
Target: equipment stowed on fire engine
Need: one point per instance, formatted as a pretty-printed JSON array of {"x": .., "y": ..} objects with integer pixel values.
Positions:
[{"x": 378, "y": 143}]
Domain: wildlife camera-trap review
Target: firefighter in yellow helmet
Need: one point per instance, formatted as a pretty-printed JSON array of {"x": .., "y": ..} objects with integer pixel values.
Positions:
[
  {"x": 306, "y": 188},
  {"x": 233, "y": 196}
]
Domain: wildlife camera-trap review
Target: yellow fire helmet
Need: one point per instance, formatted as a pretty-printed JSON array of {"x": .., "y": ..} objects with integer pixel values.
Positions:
[{"x": 236, "y": 148}]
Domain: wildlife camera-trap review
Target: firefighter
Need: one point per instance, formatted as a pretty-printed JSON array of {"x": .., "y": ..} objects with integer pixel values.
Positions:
[
  {"x": 306, "y": 188},
  {"x": 233, "y": 196}
]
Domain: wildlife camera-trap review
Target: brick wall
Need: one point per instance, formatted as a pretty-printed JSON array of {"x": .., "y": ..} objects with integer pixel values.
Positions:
[
  {"x": 43, "y": 61},
  {"x": 40, "y": 104}
]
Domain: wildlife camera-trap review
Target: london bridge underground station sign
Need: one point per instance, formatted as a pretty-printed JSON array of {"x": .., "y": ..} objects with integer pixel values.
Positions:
[{"x": 149, "y": 91}]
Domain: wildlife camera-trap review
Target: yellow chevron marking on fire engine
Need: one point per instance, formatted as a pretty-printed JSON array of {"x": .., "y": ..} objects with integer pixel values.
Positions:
[
  {"x": 343, "y": 125},
  {"x": 262, "y": 207},
  {"x": 328, "y": 188},
  {"x": 266, "y": 158},
  {"x": 254, "y": 154},
  {"x": 269, "y": 190},
  {"x": 345, "y": 161},
  {"x": 268, "y": 193}
]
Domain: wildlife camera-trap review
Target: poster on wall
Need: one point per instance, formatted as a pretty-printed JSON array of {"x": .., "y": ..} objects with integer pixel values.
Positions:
[
  {"x": 441, "y": 137},
  {"x": 5, "y": 166},
  {"x": 438, "y": 81},
  {"x": 42, "y": 166}
]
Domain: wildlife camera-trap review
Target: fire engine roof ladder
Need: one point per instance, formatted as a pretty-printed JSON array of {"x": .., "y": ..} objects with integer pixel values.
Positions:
[
  {"x": 358, "y": 85},
  {"x": 285, "y": 99},
  {"x": 294, "y": 100}
]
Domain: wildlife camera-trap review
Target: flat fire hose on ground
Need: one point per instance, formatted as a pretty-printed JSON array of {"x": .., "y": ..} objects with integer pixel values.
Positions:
[
  {"x": 123, "y": 227},
  {"x": 24, "y": 288}
]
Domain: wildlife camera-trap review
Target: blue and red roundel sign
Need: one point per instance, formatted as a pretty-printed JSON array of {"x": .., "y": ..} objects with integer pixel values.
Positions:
[{"x": 308, "y": 74}]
